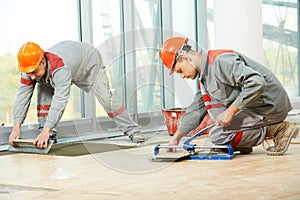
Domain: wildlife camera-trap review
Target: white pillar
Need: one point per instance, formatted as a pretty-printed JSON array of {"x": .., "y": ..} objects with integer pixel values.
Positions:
[{"x": 238, "y": 26}]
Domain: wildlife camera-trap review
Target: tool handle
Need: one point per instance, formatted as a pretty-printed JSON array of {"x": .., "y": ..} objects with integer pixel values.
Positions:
[{"x": 188, "y": 141}]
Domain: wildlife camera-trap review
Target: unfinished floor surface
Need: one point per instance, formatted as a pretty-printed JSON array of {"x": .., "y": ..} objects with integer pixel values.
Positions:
[{"x": 128, "y": 174}]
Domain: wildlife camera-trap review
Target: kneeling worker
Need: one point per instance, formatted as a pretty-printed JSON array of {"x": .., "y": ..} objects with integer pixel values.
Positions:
[{"x": 245, "y": 100}]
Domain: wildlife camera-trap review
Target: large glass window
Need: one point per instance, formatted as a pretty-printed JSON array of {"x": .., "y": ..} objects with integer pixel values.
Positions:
[
  {"x": 280, "y": 42},
  {"x": 184, "y": 24},
  {"x": 106, "y": 37},
  {"x": 132, "y": 64},
  {"x": 148, "y": 74},
  {"x": 129, "y": 35},
  {"x": 43, "y": 22}
]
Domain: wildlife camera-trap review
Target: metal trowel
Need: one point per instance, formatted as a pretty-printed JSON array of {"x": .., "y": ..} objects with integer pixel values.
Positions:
[{"x": 27, "y": 146}]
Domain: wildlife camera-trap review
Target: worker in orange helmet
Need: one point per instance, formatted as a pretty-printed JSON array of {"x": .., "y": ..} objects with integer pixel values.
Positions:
[
  {"x": 245, "y": 100},
  {"x": 54, "y": 71}
]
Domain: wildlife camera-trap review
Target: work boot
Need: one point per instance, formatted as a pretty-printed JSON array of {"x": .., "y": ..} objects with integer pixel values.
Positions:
[
  {"x": 281, "y": 134},
  {"x": 243, "y": 150},
  {"x": 137, "y": 137}
]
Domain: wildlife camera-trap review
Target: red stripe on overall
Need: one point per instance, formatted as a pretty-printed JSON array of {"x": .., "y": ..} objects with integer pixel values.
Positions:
[
  {"x": 27, "y": 82},
  {"x": 208, "y": 105},
  {"x": 116, "y": 113},
  {"x": 40, "y": 108},
  {"x": 237, "y": 138},
  {"x": 55, "y": 62},
  {"x": 213, "y": 54}
]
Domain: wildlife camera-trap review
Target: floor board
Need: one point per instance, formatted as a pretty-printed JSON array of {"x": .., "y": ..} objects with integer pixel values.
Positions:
[{"x": 128, "y": 174}]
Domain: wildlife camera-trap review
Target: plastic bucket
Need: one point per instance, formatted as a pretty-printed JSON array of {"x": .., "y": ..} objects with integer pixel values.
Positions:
[{"x": 172, "y": 117}]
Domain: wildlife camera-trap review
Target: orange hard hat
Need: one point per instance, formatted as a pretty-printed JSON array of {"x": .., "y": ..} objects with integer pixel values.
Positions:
[
  {"x": 171, "y": 50},
  {"x": 29, "y": 57}
]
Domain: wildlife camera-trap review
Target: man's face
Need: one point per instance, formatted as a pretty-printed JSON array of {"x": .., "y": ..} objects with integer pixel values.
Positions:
[
  {"x": 39, "y": 72},
  {"x": 185, "y": 68}
]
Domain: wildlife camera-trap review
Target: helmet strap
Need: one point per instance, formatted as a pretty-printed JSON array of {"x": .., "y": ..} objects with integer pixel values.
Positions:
[{"x": 183, "y": 50}]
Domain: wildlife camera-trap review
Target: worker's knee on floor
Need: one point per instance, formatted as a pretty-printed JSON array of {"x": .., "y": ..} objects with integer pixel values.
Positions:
[
  {"x": 218, "y": 137},
  {"x": 217, "y": 140}
]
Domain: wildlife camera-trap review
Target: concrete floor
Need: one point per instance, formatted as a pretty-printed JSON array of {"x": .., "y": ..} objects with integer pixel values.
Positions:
[{"x": 118, "y": 169}]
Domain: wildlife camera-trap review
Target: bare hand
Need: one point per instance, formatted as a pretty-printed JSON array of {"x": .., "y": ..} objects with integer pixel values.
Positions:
[
  {"x": 41, "y": 141},
  {"x": 175, "y": 140},
  {"x": 15, "y": 134},
  {"x": 172, "y": 143},
  {"x": 224, "y": 119}
]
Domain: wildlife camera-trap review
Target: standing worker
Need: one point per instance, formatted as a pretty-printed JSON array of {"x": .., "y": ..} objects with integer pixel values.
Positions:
[
  {"x": 54, "y": 71},
  {"x": 244, "y": 99}
]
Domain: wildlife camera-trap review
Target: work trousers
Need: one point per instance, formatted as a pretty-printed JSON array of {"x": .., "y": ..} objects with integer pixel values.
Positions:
[
  {"x": 246, "y": 130},
  {"x": 112, "y": 105}
]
